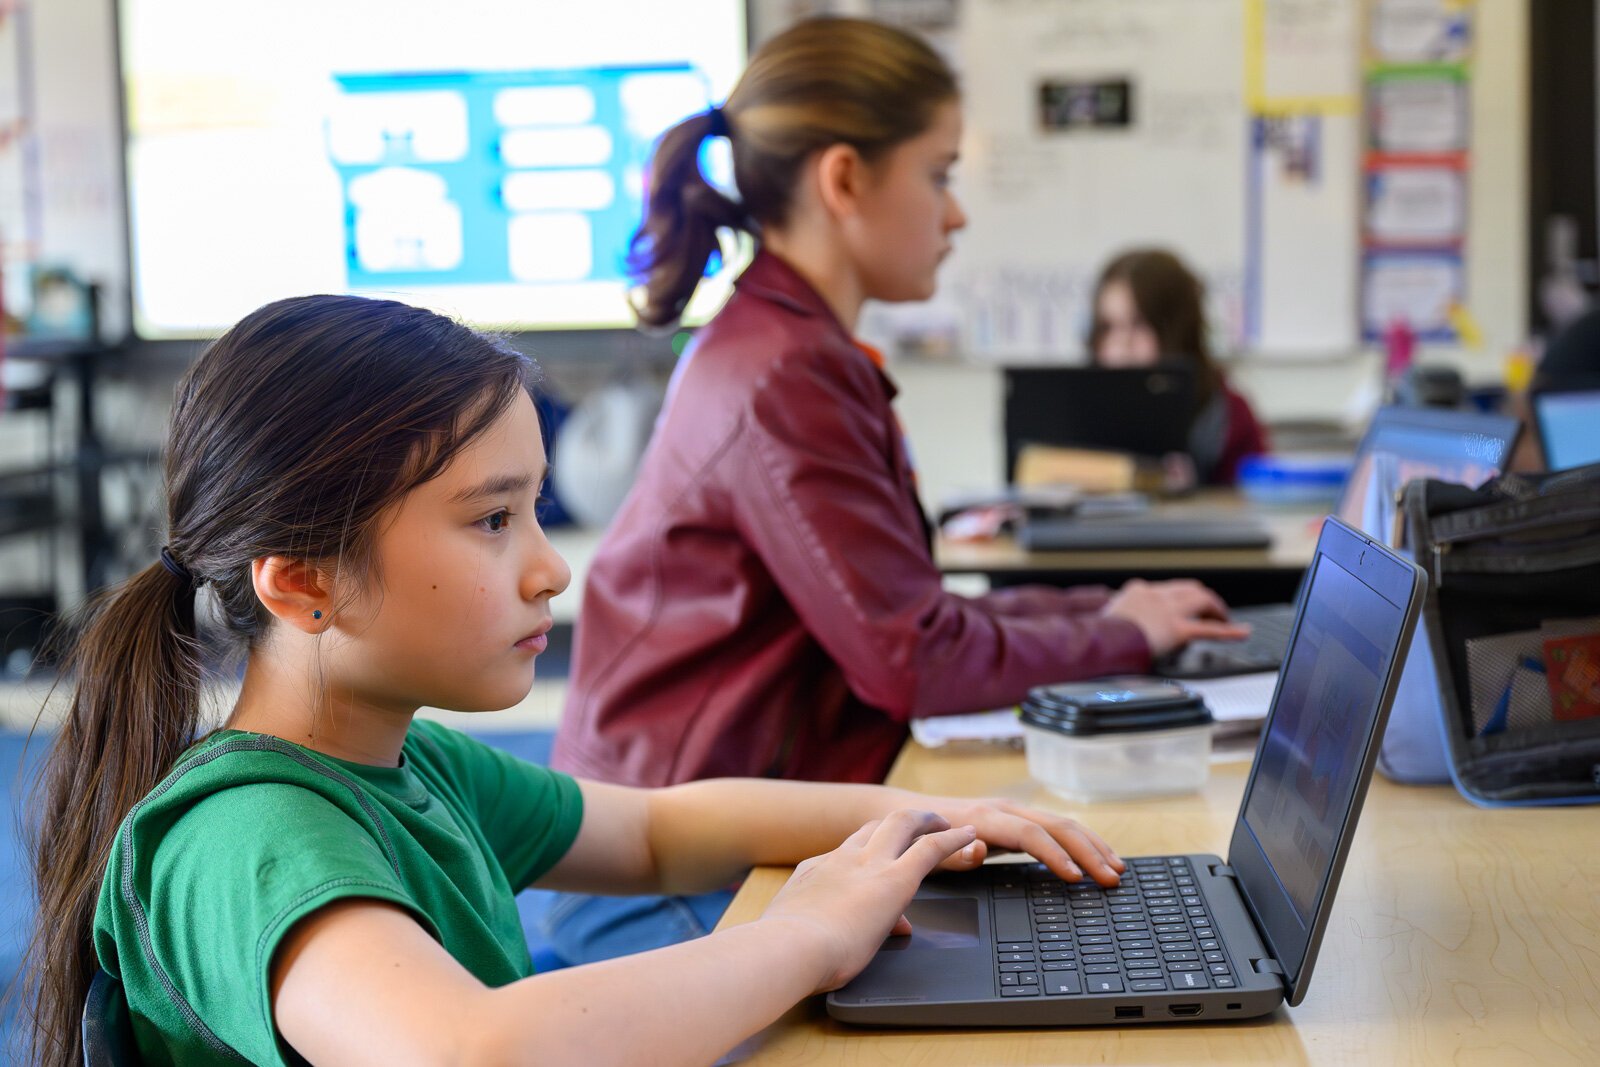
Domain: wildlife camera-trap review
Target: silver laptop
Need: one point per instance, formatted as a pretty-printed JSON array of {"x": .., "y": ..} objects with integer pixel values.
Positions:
[
  {"x": 1187, "y": 936},
  {"x": 1401, "y": 443}
]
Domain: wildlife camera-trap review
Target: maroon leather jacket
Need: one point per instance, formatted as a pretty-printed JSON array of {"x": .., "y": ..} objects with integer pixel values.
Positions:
[{"x": 765, "y": 603}]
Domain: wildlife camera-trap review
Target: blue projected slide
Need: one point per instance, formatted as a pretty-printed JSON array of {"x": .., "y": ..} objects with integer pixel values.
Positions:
[
  {"x": 486, "y": 158},
  {"x": 535, "y": 176}
]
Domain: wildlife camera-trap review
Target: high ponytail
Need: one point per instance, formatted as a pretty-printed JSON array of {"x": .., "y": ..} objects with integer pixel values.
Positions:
[
  {"x": 683, "y": 215},
  {"x": 822, "y": 82},
  {"x": 135, "y": 707},
  {"x": 292, "y": 435}
]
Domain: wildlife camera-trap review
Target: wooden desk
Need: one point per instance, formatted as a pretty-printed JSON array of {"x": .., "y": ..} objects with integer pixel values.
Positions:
[
  {"x": 1459, "y": 936},
  {"x": 1242, "y": 575}
]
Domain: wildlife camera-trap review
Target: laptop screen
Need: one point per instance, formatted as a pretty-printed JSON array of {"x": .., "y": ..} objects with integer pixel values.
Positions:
[
  {"x": 1466, "y": 447},
  {"x": 1569, "y": 426},
  {"x": 1145, "y": 411},
  {"x": 1320, "y": 740}
]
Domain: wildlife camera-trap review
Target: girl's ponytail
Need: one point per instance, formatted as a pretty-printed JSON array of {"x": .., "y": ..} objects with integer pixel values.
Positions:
[
  {"x": 683, "y": 213},
  {"x": 135, "y": 708}
]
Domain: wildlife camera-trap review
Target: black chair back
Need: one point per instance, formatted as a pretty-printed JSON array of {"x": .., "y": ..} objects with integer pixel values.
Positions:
[{"x": 107, "y": 1026}]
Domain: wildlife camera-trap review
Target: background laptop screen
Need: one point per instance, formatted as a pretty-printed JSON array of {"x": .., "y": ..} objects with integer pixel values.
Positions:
[
  {"x": 1145, "y": 411},
  {"x": 1569, "y": 426},
  {"x": 1311, "y": 756},
  {"x": 1466, "y": 447}
]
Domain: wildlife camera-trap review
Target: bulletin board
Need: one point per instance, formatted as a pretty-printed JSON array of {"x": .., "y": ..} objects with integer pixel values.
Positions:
[{"x": 1098, "y": 125}]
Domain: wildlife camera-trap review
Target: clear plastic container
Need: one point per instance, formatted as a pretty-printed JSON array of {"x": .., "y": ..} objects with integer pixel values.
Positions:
[
  {"x": 1119, "y": 766},
  {"x": 1117, "y": 738}
]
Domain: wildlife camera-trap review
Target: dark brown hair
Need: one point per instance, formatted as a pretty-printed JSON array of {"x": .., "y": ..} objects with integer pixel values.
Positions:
[
  {"x": 1170, "y": 298},
  {"x": 290, "y": 435},
  {"x": 822, "y": 82}
]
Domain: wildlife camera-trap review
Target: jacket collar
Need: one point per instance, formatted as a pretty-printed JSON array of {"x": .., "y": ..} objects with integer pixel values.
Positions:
[{"x": 770, "y": 278}]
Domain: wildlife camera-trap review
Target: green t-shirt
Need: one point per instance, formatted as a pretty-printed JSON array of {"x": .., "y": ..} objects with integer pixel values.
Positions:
[{"x": 249, "y": 834}]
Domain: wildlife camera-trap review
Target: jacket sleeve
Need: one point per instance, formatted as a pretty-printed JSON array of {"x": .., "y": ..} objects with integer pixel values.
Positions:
[
  {"x": 827, "y": 512},
  {"x": 1045, "y": 599}
]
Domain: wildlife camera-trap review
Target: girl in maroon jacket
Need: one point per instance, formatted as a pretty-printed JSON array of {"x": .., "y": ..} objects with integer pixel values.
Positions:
[{"x": 766, "y": 602}]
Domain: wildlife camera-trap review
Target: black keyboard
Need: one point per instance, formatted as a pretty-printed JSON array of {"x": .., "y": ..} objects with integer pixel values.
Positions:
[
  {"x": 1150, "y": 934},
  {"x": 1262, "y": 651}
]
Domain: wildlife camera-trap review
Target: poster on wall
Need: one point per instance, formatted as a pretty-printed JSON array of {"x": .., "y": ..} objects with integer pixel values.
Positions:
[{"x": 1415, "y": 212}]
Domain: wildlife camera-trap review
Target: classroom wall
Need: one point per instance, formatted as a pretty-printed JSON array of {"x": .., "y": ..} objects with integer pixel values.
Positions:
[
  {"x": 79, "y": 145},
  {"x": 951, "y": 411},
  {"x": 955, "y": 453}
]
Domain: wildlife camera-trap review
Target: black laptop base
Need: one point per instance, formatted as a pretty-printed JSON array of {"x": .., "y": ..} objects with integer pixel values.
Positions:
[{"x": 1010, "y": 945}]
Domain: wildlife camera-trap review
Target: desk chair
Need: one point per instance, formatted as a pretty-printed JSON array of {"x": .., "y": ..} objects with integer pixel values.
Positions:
[{"x": 107, "y": 1027}]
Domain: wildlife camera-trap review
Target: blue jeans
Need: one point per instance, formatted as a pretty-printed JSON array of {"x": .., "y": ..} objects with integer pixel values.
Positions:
[{"x": 587, "y": 929}]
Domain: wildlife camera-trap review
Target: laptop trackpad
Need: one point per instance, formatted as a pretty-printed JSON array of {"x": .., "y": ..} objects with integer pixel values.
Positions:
[
  {"x": 943, "y": 917},
  {"x": 950, "y": 922}
]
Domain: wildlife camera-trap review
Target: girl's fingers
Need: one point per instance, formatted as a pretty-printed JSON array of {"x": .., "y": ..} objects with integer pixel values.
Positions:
[
  {"x": 1068, "y": 849},
  {"x": 862, "y": 835},
  {"x": 1099, "y": 843},
  {"x": 1089, "y": 857},
  {"x": 1042, "y": 846},
  {"x": 902, "y": 927},
  {"x": 1090, "y": 854},
  {"x": 898, "y": 830},
  {"x": 932, "y": 849},
  {"x": 971, "y": 856}
]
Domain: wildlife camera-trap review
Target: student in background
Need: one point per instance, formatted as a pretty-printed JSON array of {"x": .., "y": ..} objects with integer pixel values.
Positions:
[
  {"x": 1571, "y": 361},
  {"x": 1149, "y": 308},
  {"x": 324, "y": 879},
  {"x": 766, "y": 601}
]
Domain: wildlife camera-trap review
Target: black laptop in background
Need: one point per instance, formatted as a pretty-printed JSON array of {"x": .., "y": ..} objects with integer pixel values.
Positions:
[
  {"x": 1144, "y": 411},
  {"x": 1186, "y": 937},
  {"x": 1401, "y": 443}
]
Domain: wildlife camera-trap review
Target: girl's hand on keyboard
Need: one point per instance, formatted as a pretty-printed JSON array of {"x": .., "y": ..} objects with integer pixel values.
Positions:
[
  {"x": 845, "y": 902},
  {"x": 1171, "y": 614},
  {"x": 1070, "y": 849}
]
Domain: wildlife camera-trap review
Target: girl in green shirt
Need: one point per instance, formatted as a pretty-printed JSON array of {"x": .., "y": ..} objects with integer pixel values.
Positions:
[{"x": 352, "y": 485}]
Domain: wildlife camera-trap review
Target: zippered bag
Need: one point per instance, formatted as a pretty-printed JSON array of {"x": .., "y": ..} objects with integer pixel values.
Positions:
[{"x": 1501, "y": 692}]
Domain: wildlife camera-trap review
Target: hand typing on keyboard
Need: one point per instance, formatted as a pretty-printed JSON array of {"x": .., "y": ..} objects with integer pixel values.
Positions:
[
  {"x": 1070, "y": 850},
  {"x": 843, "y": 903},
  {"x": 1171, "y": 614}
]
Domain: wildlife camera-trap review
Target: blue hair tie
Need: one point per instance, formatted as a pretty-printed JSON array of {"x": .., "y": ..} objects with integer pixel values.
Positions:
[
  {"x": 718, "y": 123},
  {"x": 174, "y": 568}
]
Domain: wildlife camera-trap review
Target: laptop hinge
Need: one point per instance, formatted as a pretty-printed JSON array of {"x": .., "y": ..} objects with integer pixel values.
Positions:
[
  {"x": 1222, "y": 870},
  {"x": 1268, "y": 966}
]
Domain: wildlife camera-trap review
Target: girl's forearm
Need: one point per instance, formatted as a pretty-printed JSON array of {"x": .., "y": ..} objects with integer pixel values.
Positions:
[
  {"x": 687, "y": 1004},
  {"x": 705, "y": 834}
]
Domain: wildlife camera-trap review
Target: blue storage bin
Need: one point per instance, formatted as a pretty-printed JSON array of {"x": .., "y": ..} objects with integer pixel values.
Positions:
[{"x": 1298, "y": 479}]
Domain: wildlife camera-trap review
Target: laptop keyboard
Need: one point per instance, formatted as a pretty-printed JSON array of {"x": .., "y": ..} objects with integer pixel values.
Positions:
[{"x": 1150, "y": 934}]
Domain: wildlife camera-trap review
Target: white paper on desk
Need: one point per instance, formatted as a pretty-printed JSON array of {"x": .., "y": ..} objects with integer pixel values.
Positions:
[
  {"x": 1238, "y": 702},
  {"x": 1002, "y": 725}
]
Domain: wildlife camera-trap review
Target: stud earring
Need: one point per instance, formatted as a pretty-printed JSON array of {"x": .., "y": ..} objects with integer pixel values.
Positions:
[{"x": 316, "y": 614}]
